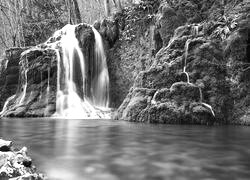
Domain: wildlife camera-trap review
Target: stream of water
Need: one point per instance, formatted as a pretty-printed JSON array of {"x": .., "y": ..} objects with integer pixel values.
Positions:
[{"x": 114, "y": 150}]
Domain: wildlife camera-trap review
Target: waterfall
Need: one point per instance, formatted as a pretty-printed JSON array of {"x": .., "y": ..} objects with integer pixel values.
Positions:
[
  {"x": 82, "y": 85},
  {"x": 186, "y": 73},
  {"x": 100, "y": 85},
  {"x": 195, "y": 30},
  {"x": 153, "y": 101},
  {"x": 24, "y": 69},
  {"x": 72, "y": 100},
  {"x": 48, "y": 87},
  {"x": 205, "y": 104},
  {"x": 185, "y": 59},
  {"x": 209, "y": 107},
  {"x": 41, "y": 88}
]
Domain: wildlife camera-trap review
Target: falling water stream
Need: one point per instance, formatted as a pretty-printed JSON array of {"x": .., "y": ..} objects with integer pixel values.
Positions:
[
  {"x": 72, "y": 103},
  {"x": 100, "y": 87},
  {"x": 186, "y": 73},
  {"x": 185, "y": 59}
]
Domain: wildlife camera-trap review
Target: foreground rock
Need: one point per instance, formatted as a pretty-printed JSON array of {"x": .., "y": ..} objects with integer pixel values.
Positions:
[{"x": 16, "y": 164}]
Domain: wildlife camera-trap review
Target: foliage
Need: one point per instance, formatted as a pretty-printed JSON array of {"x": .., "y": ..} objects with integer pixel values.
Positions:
[
  {"x": 43, "y": 20},
  {"x": 137, "y": 18}
]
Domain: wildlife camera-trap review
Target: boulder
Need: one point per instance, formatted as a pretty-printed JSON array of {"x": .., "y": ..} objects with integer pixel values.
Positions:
[
  {"x": 5, "y": 145},
  {"x": 17, "y": 164}
]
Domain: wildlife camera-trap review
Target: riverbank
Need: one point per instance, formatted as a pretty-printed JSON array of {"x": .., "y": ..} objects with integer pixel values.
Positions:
[{"x": 16, "y": 164}]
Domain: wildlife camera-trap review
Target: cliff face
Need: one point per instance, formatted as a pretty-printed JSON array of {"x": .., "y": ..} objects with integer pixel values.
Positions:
[
  {"x": 28, "y": 98},
  {"x": 200, "y": 70}
]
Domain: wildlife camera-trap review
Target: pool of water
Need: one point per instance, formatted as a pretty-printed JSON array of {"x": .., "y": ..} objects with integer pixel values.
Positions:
[{"x": 117, "y": 150}]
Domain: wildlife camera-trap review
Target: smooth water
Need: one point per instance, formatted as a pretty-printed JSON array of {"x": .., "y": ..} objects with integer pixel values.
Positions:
[{"x": 114, "y": 150}]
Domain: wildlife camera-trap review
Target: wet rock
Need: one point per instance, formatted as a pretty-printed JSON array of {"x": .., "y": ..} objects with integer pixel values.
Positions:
[
  {"x": 5, "y": 145},
  {"x": 38, "y": 66},
  {"x": 167, "y": 22},
  {"x": 9, "y": 73},
  {"x": 134, "y": 104},
  {"x": 109, "y": 29},
  {"x": 18, "y": 165}
]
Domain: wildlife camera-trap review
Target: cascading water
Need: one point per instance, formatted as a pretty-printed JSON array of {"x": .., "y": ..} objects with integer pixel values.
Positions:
[
  {"x": 185, "y": 59},
  {"x": 153, "y": 101},
  {"x": 48, "y": 87},
  {"x": 186, "y": 73},
  {"x": 25, "y": 71},
  {"x": 205, "y": 104},
  {"x": 72, "y": 100},
  {"x": 100, "y": 83},
  {"x": 195, "y": 30}
]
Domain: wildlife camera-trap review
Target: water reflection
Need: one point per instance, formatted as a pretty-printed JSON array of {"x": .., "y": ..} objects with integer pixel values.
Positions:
[{"x": 113, "y": 150}]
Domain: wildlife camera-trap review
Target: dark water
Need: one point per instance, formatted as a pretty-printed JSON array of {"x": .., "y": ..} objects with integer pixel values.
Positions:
[{"x": 114, "y": 150}]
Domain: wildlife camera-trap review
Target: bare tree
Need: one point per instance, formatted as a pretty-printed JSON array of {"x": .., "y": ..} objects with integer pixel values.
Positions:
[
  {"x": 107, "y": 7},
  {"x": 11, "y": 19},
  {"x": 74, "y": 15}
]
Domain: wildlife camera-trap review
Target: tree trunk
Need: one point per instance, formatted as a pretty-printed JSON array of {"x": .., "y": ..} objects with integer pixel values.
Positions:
[
  {"x": 119, "y": 5},
  {"x": 107, "y": 7},
  {"x": 77, "y": 13},
  {"x": 74, "y": 14}
]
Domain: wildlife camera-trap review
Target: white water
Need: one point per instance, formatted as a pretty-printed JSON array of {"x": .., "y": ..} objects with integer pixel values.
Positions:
[
  {"x": 185, "y": 60},
  {"x": 100, "y": 88},
  {"x": 209, "y": 107},
  {"x": 205, "y": 104},
  {"x": 153, "y": 101},
  {"x": 195, "y": 30},
  {"x": 24, "y": 88},
  {"x": 6, "y": 104},
  {"x": 48, "y": 87},
  {"x": 72, "y": 100},
  {"x": 24, "y": 70}
]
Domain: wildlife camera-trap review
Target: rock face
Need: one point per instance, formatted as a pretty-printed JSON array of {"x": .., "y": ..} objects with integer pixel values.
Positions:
[
  {"x": 16, "y": 164},
  {"x": 199, "y": 74}
]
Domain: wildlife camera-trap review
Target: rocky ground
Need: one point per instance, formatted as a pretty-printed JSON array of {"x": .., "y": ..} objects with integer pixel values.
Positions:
[{"x": 16, "y": 164}]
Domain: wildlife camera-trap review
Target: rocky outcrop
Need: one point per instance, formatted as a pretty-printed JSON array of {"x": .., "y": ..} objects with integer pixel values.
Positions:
[
  {"x": 35, "y": 70},
  {"x": 9, "y": 73},
  {"x": 16, "y": 163},
  {"x": 129, "y": 37},
  {"x": 199, "y": 74}
]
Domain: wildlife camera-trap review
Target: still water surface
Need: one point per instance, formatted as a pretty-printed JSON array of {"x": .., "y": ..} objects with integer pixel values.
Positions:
[{"x": 115, "y": 150}]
